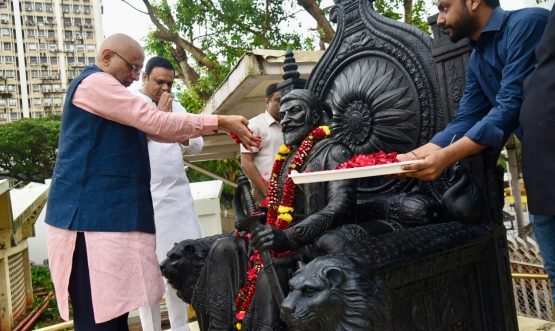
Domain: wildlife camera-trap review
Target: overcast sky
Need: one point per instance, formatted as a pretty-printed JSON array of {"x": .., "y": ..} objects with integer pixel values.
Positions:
[{"x": 137, "y": 25}]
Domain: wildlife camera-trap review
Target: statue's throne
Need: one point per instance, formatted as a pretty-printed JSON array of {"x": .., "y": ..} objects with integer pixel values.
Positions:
[{"x": 390, "y": 87}]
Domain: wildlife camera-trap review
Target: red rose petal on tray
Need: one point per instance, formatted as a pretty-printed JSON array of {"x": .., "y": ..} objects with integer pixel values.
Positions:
[{"x": 363, "y": 160}]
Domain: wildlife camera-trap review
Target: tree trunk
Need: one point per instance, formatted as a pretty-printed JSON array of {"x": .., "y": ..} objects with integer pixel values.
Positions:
[
  {"x": 327, "y": 31},
  {"x": 407, "y": 5}
]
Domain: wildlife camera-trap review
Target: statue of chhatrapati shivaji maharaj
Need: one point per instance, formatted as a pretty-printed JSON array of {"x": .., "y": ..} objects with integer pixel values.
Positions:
[{"x": 368, "y": 254}]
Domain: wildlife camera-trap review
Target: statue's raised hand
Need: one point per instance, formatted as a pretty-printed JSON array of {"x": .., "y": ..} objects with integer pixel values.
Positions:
[{"x": 268, "y": 237}]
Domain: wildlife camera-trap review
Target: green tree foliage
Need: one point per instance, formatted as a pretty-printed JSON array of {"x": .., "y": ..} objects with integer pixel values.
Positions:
[
  {"x": 411, "y": 11},
  {"x": 28, "y": 148},
  {"x": 205, "y": 39}
]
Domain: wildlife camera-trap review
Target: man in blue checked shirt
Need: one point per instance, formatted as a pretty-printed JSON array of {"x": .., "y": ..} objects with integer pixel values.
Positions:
[{"x": 503, "y": 45}]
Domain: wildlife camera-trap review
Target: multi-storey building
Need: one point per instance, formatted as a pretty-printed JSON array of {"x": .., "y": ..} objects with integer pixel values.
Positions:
[{"x": 44, "y": 44}]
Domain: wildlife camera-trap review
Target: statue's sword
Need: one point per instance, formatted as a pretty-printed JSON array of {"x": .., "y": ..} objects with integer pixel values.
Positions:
[{"x": 265, "y": 254}]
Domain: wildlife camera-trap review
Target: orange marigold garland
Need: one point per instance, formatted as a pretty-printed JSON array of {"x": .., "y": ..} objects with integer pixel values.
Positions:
[{"x": 279, "y": 213}]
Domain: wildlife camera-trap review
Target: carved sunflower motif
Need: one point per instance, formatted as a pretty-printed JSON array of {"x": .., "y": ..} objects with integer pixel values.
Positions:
[{"x": 371, "y": 108}]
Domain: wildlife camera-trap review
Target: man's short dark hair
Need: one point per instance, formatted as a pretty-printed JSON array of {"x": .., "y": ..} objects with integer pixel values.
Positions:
[
  {"x": 158, "y": 62},
  {"x": 271, "y": 89},
  {"x": 492, "y": 3}
]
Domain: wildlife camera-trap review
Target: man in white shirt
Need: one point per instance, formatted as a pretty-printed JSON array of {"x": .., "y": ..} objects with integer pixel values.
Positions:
[
  {"x": 174, "y": 212},
  {"x": 257, "y": 165}
]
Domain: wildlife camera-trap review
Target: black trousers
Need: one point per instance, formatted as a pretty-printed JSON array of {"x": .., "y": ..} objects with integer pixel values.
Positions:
[{"x": 80, "y": 294}]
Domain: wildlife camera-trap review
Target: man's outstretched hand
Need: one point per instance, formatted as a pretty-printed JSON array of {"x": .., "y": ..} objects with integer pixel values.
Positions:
[{"x": 238, "y": 125}]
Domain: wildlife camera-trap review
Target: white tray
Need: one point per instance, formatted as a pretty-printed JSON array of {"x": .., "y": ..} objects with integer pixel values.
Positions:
[{"x": 369, "y": 171}]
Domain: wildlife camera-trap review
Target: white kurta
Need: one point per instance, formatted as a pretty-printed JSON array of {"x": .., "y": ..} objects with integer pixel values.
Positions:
[
  {"x": 174, "y": 215},
  {"x": 174, "y": 211}
]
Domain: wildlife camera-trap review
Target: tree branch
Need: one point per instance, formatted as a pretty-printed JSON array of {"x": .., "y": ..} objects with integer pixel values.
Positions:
[
  {"x": 166, "y": 34},
  {"x": 327, "y": 31}
]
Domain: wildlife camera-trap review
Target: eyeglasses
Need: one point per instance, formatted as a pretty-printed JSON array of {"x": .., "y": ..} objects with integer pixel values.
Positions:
[{"x": 134, "y": 68}]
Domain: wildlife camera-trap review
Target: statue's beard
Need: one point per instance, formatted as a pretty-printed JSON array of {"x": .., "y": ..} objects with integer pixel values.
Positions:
[{"x": 295, "y": 137}]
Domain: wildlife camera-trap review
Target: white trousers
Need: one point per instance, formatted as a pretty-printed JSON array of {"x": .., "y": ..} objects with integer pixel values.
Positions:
[{"x": 177, "y": 313}]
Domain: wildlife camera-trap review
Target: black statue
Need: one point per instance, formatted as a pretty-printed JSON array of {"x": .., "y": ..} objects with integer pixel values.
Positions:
[{"x": 318, "y": 207}]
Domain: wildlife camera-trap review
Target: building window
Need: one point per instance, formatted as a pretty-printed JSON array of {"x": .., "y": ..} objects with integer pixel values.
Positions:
[
  {"x": 32, "y": 46},
  {"x": 12, "y": 102},
  {"x": 36, "y": 88},
  {"x": 43, "y": 60},
  {"x": 68, "y": 35},
  {"x": 48, "y": 7},
  {"x": 4, "y": 18},
  {"x": 40, "y": 19},
  {"x": 6, "y": 32},
  {"x": 31, "y": 33},
  {"x": 9, "y": 73},
  {"x": 87, "y": 9},
  {"x": 7, "y": 46},
  {"x": 51, "y": 34},
  {"x": 41, "y": 32},
  {"x": 91, "y": 60},
  {"x": 76, "y": 9},
  {"x": 38, "y": 6},
  {"x": 8, "y": 59},
  {"x": 90, "y": 48},
  {"x": 80, "y": 48},
  {"x": 28, "y": 6},
  {"x": 37, "y": 102},
  {"x": 33, "y": 60},
  {"x": 65, "y": 8},
  {"x": 56, "y": 88},
  {"x": 89, "y": 34},
  {"x": 52, "y": 47}
]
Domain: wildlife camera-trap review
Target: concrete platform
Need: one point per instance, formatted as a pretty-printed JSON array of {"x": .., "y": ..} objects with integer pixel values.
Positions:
[
  {"x": 531, "y": 324},
  {"x": 524, "y": 324}
]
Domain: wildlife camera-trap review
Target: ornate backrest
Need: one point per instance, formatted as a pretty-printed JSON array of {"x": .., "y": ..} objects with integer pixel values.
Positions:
[{"x": 378, "y": 80}]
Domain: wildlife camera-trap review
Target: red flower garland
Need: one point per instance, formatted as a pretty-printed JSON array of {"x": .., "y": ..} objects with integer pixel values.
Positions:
[{"x": 280, "y": 216}]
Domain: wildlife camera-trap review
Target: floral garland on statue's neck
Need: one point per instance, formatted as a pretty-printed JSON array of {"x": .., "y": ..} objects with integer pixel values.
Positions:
[{"x": 280, "y": 214}]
